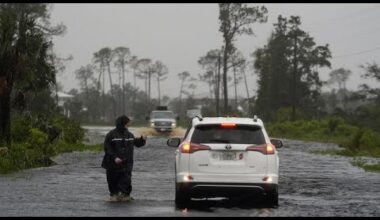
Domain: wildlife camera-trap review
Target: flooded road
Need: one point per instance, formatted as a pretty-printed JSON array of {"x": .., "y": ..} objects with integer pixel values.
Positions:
[{"x": 309, "y": 185}]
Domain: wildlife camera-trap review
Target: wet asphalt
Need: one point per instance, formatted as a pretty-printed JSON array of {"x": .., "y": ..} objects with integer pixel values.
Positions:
[{"x": 310, "y": 185}]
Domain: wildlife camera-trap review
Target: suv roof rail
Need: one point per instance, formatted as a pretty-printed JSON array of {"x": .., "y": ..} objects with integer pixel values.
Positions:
[
  {"x": 197, "y": 116},
  {"x": 255, "y": 118}
]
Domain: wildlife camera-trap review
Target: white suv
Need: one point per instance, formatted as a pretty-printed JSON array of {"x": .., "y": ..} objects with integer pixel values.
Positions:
[{"x": 226, "y": 157}]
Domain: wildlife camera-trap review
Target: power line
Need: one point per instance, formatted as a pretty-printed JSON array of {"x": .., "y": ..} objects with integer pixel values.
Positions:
[{"x": 357, "y": 53}]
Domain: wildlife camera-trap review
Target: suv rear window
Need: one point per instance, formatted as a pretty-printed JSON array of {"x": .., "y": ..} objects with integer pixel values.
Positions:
[{"x": 241, "y": 134}]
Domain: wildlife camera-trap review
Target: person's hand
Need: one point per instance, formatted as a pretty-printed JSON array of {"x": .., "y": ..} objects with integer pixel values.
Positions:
[
  {"x": 141, "y": 141},
  {"x": 118, "y": 160}
]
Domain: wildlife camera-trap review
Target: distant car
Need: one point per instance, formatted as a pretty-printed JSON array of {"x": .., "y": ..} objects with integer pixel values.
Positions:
[
  {"x": 226, "y": 157},
  {"x": 162, "y": 120}
]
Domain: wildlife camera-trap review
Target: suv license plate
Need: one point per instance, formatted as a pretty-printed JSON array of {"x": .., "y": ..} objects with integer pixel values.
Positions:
[{"x": 228, "y": 156}]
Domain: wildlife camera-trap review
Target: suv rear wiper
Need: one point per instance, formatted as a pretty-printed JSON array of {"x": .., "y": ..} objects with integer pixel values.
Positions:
[{"x": 220, "y": 140}]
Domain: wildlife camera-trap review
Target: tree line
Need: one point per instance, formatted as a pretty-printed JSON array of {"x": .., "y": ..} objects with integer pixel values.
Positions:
[
  {"x": 93, "y": 104},
  {"x": 287, "y": 68},
  {"x": 107, "y": 62}
]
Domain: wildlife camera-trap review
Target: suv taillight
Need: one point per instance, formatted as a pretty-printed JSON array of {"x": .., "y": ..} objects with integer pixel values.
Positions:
[
  {"x": 264, "y": 148},
  {"x": 189, "y": 148}
]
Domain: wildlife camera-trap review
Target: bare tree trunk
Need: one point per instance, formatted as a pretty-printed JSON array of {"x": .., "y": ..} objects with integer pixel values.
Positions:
[
  {"x": 246, "y": 88},
  {"x": 134, "y": 87},
  {"x": 211, "y": 89},
  {"x": 149, "y": 79},
  {"x": 180, "y": 98},
  {"x": 225, "y": 87},
  {"x": 104, "y": 98},
  {"x": 56, "y": 96},
  {"x": 5, "y": 113},
  {"x": 123, "y": 86},
  {"x": 146, "y": 89},
  {"x": 119, "y": 95},
  {"x": 111, "y": 89},
  {"x": 235, "y": 84},
  {"x": 218, "y": 87},
  {"x": 294, "y": 80},
  {"x": 159, "y": 91}
]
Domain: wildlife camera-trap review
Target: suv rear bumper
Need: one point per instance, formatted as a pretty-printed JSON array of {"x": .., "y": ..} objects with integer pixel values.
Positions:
[{"x": 203, "y": 189}]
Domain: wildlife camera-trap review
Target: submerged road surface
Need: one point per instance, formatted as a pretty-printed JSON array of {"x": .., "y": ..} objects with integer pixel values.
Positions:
[{"x": 309, "y": 185}]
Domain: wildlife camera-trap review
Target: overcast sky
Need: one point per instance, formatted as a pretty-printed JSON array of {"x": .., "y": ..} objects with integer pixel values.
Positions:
[{"x": 178, "y": 34}]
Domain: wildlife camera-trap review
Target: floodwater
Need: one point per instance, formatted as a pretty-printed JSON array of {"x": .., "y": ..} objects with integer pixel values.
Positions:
[{"x": 309, "y": 185}]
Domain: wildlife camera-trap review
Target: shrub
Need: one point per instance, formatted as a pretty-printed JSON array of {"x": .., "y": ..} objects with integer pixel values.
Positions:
[
  {"x": 20, "y": 126},
  {"x": 38, "y": 140},
  {"x": 72, "y": 132},
  {"x": 285, "y": 114},
  {"x": 333, "y": 123}
]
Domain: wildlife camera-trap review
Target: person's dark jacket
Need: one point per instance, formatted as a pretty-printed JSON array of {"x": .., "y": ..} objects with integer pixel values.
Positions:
[{"x": 120, "y": 143}]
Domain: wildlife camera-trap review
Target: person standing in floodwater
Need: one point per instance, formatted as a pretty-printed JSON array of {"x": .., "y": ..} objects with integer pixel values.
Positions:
[{"x": 118, "y": 159}]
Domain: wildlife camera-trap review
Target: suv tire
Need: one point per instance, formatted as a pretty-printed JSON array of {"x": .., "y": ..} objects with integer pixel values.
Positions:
[
  {"x": 271, "y": 197},
  {"x": 181, "y": 198}
]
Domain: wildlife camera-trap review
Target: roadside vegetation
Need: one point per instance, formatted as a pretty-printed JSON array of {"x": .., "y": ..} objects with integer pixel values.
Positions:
[
  {"x": 355, "y": 141},
  {"x": 35, "y": 140},
  {"x": 33, "y": 128},
  {"x": 365, "y": 166}
]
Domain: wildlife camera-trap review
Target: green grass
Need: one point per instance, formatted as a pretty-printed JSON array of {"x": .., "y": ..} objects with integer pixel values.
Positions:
[
  {"x": 354, "y": 141},
  {"x": 365, "y": 166}
]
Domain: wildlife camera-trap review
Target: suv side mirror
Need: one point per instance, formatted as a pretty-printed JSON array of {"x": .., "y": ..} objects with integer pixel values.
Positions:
[
  {"x": 173, "y": 142},
  {"x": 147, "y": 118},
  {"x": 277, "y": 143}
]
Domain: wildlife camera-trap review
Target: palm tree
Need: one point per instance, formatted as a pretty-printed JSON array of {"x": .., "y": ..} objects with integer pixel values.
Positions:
[
  {"x": 133, "y": 65},
  {"x": 182, "y": 76},
  {"x": 122, "y": 55},
  {"x": 160, "y": 72},
  {"x": 104, "y": 57},
  {"x": 145, "y": 71}
]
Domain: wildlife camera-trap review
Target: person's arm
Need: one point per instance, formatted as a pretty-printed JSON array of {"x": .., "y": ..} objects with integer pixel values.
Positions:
[{"x": 139, "y": 142}]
